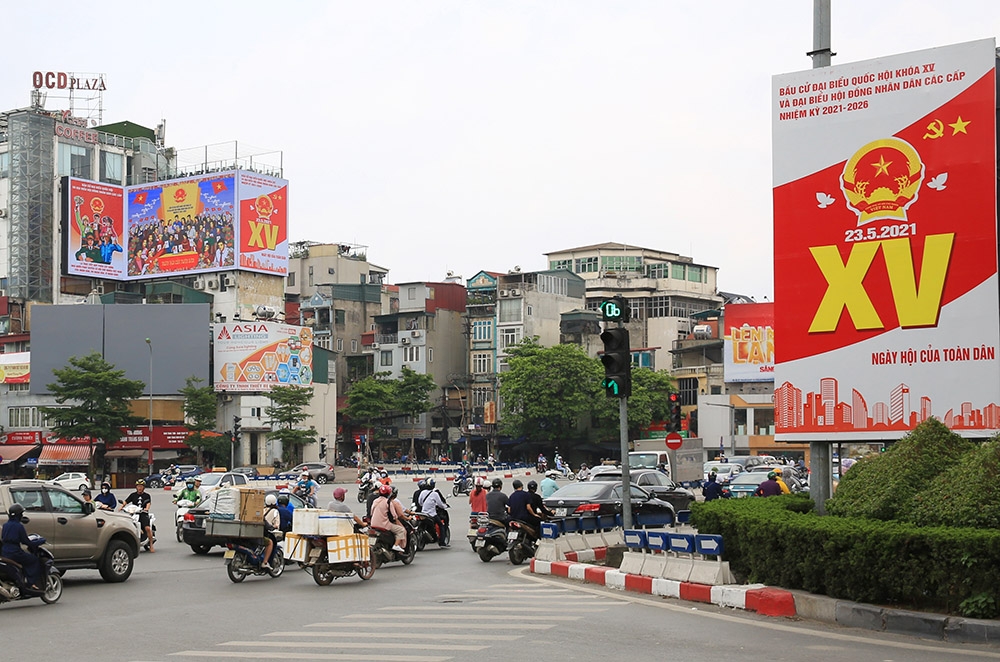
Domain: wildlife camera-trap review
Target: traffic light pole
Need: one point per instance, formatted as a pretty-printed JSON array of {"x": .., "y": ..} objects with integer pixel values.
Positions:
[
  {"x": 626, "y": 478},
  {"x": 617, "y": 360}
]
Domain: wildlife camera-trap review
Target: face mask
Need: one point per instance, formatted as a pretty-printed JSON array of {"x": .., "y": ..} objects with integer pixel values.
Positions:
[{"x": 104, "y": 489}]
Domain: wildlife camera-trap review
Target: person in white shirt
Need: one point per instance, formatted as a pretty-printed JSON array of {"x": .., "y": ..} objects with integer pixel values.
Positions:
[{"x": 433, "y": 505}]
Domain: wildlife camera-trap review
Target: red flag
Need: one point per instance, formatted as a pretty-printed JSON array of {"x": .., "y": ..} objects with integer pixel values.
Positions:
[
  {"x": 219, "y": 186},
  {"x": 140, "y": 198}
]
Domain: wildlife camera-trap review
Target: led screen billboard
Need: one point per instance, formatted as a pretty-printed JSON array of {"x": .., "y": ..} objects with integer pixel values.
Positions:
[
  {"x": 255, "y": 356},
  {"x": 218, "y": 222},
  {"x": 749, "y": 342},
  {"x": 885, "y": 246}
]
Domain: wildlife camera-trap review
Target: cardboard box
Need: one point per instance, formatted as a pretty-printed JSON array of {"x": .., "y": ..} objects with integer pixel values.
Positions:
[
  {"x": 305, "y": 521},
  {"x": 336, "y": 524},
  {"x": 251, "y": 508},
  {"x": 296, "y": 547},
  {"x": 344, "y": 549}
]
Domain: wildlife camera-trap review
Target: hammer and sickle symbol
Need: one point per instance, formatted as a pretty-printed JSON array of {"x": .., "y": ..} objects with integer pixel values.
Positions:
[{"x": 934, "y": 130}]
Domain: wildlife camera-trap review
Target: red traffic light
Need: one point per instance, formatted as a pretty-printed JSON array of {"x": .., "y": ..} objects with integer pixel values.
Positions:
[{"x": 674, "y": 397}]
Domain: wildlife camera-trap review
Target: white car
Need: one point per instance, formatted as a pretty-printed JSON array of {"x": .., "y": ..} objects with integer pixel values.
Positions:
[
  {"x": 71, "y": 481},
  {"x": 214, "y": 480}
]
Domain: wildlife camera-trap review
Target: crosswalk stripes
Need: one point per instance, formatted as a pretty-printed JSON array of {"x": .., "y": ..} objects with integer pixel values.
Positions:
[{"x": 363, "y": 636}]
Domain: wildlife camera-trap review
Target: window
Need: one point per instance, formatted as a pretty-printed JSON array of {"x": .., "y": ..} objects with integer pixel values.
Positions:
[
  {"x": 4, "y": 164},
  {"x": 621, "y": 263},
  {"x": 111, "y": 167},
  {"x": 74, "y": 161},
  {"x": 510, "y": 337},
  {"x": 430, "y": 355},
  {"x": 510, "y": 310},
  {"x": 354, "y": 345},
  {"x": 23, "y": 417},
  {"x": 310, "y": 276},
  {"x": 21, "y": 386},
  {"x": 660, "y": 270},
  {"x": 586, "y": 265},
  {"x": 561, "y": 264},
  {"x": 31, "y": 499},
  {"x": 529, "y": 311},
  {"x": 482, "y": 330},
  {"x": 552, "y": 284},
  {"x": 482, "y": 363},
  {"x": 64, "y": 503},
  {"x": 502, "y": 365},
  {"x": 411, "y": 293},
  {"x": 340, "y": 344},
  {"x": 339, "y": 316},
  {"x": 480, "y": 396},
  {"x": 385, "y": 358},
  {"x": 677, "y": 271},
  {"x": 291, "y": 279},
  {"x": 696, "y": 274},
  {"x": 255, "y": 412},
  {"x": 411, "y": 354}
]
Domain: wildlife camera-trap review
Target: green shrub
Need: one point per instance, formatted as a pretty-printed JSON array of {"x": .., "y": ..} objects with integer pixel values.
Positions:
[{"x": 967, "y": 494}]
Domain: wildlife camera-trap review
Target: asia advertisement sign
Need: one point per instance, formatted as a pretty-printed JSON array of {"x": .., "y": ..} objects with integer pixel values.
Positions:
[
  {"x": 885, "y": 246},
  {"x": 222, "y": 221},
  {"x": 256, "y": 356},
  {"x": 748, "y": 343}
]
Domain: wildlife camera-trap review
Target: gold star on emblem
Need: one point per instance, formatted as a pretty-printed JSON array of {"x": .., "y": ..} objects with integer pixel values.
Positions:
[
  {"x": 959, "y": 126},
  {"x": 882, "y": 167}
]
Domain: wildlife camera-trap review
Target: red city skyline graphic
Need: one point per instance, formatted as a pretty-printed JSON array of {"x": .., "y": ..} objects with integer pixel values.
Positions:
[{"x": 823, "y": 411}]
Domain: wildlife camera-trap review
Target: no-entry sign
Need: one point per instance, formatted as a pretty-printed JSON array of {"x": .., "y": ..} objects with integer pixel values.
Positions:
[{"x": 674, "y": 441}]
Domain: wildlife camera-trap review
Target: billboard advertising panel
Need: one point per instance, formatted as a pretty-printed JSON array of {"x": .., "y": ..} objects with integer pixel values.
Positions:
[
  {"x": 749, "y": 342},
  {"x": 255, "y": 356},
  {"x": 182, "y": 226},
  {"x": 95, "y": 229},
  {"x": 263, "y": 223},
  {"x": 885, "y": 246}
]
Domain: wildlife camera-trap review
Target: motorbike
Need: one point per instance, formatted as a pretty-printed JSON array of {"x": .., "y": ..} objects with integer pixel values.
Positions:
[
  {"x": 12, "y": 585},
  {"x": 323, "y": 572},
  {"x": 427, "y": 530},
  {"x": 243, "y": 560},
  {"x": 463, "y": 485},
  {"x": 144, "y": 541},
  {"x": 491, "y": 538},
  {"x": 542, "y": 467},
  {"x": 366, "y": 487},
  {"x": 474, "y": 528},
  {"x": 522, "y": 538},
  {"x": 182, "y": 507},
  {"x": 301, "y": 493},
  {"x": 382, "y": 541}
]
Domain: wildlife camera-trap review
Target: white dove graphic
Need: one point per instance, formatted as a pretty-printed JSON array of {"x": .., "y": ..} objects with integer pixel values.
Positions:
[
  {"x": 824, "y": 200},
  {"x": 938, "y": 183}
]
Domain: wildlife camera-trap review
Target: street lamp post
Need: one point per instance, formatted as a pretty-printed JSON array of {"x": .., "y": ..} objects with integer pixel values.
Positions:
[{"x": 149, "y": 344}]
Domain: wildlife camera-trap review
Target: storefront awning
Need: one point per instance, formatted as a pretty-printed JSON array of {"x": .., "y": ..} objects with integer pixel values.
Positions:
[
  {"x": 64, "y": 454},
  {"x": 127, "y": 452},
  {"x": 14, "y": 452}
]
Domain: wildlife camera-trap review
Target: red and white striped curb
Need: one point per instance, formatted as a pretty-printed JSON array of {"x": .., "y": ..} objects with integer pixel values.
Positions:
[{"x": 762, "y": 599}]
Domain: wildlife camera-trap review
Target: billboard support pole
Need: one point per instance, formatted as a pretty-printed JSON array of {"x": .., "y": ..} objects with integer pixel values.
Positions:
[{"x": 821, "y": 473}]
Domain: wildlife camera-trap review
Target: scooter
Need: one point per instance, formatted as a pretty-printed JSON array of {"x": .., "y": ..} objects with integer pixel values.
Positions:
[
  {"x": 428, "y": 530},
  {"x": 323, "y": 572},
  {"x": 364, "y": 489},
  {"x": 12, "y": 584},
  {"x": 491, "y": 538},
  {"x": 144, "y": 541},
  {"x": 182, "y": 507},
  {"x": 522, "y": 538},
  {"x": 243, "y": 560},
  {"x": 381, "y": 543},
  {"x": 463, "y": 485}
]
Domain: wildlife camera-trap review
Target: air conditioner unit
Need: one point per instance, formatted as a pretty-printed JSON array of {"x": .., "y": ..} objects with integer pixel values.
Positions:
[
  {"x": 415, "y": 334},
  {"x": 212, "y": 283},
  {"x": 229, "y": 280},
  {"x": 515, "y": 293},
  {"x": 227, "y": 398},
  {"x": 3, "y": 212},
  {"x": 99, "y": 289},
  {"x": 199, "y": 283},
  {"x": 375, "y": 345},
  {"x": 404, "y": 341},
  {"x": 505, "y": 293}
]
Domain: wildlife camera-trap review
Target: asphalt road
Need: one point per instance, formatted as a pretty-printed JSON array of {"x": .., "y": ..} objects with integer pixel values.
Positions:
[{"x": 447, "y": 605}]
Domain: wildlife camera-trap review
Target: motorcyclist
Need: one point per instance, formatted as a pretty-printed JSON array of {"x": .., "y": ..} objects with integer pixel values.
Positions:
[
  {"x": 517, "y": 503},
  {"x": 386, "y": 513},
  {"x": 143, "y": 500},
  {"x": 549, "y": 484},
  {"x": 433, "y": 505},
  {"x": 285, "y": 509},
  {"x": 781, "y": 481},
  {"x": 496, "y": 502},
  {"x": 421, "y": 486},
  {"x": 477, "y": 497},
  {"x": 189, "y": 493},
  {"x": 105, "y": 500},
  {"x": 583, "y": 473},
  {"x": 536, "y": 509},
  {"x": 712, "y": 489},
  {"x": 12, "y": 536},
  {"x": 462, "y": 476},
  {"x": 272, "y": 528},
  {"x": 306, "y": 488}
]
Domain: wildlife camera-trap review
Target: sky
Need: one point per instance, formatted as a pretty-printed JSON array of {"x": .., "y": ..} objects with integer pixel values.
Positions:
[{"x": 469, "y": 135}]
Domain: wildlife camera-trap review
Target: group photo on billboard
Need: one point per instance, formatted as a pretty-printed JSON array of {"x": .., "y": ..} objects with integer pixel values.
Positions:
[
  {"x": 94, "y": 229},
  {"x": 885, "y": 246}
]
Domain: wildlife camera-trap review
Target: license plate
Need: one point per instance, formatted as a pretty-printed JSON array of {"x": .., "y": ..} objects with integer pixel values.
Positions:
[
  {"x": 473, "y": 532},
  {"x": 480, "y": 543},
  {"x": 230, "y": 553},
  {"x": 561, "y": 512},
  {"x": 512, "y": 535}
]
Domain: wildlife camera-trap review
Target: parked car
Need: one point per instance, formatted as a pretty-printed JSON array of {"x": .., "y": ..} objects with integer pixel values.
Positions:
[
  {"x": 77, "y": 536},
  {"x": 746, "y": 461},
  {"x": 321, "y": 472},
  {"x": 213, "y": 481},
  {"x": 193, "y": 529},
  {"x": 71, "y": 481},
  {"x": 746, "y": 483},
  {"x": 604, "y": 498},
  {"x": 724, "y": 471},
  {"x": 247, "y": 471},
  {"x": 655, "y": 482}
]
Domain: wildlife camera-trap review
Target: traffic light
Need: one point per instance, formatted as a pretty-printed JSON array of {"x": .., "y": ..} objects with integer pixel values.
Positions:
[
  {"x": 675, "y": 412},
  {"x": 322, "y": 447},
  {"x": 236, "y": 427},
  {"x": 617, "y": 360},
  {"x": 615, "y": 309}
]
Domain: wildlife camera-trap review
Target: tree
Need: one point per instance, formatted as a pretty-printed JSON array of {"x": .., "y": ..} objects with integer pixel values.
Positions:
[
  {"x": 286, "y": 414},
  {"x": 647, "y": 403},
  {"x": 201, "y": 409},
  {"x": 411, "y": 396},
  {"x": 370, "y": 399},
  {"x": 100, "y": 402},
  {"x": 548, "y": 393}
]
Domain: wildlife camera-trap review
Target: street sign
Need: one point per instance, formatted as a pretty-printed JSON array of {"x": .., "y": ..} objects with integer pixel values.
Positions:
[
  {"x": 709, "y": 545},
  {"x": 674, "y": 441}
]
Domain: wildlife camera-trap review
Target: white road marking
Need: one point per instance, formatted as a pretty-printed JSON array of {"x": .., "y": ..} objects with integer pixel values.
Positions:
[
  {"x": 437, "y": 636},
  {"x": 419, "y": 625},
  {"x": 386, "y": 645},
  {"x": 299, "y": 655},
  {"x": 477, "y": 617},
  {"x": 486, "y": 607}
]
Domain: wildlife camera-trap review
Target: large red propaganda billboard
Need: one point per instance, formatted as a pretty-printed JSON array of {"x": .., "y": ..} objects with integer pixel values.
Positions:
[
  {"x": 94, "y": 229},
  {"x": 885, "y": 246},
  {"x": 263, "y": 223}
]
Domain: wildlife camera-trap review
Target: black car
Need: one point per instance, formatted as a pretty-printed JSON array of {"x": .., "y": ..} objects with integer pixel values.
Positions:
[
  {"x": 193, "y": 530},
  {"x": 655, "y": 482},
  {"x": 605, "y": 498}
]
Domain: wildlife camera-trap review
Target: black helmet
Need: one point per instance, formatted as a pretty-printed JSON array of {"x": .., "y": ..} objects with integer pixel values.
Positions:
[
  {"x": 532, "y": 486},
  {"x": 283, "y": 499},
  {"x": 430, "y": 483},
  {"x": 517, "y": 484},
  {"x": 15, "y": 511},
  {"x": 422, "y": 484},
  {"x": 497, "y": 483}
]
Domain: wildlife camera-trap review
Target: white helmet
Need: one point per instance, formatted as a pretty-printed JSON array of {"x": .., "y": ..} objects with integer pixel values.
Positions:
[{"x": 270, "y": 500}]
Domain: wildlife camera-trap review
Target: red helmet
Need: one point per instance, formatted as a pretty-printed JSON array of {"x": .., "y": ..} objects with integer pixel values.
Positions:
[{"x": 385, "y": 490}]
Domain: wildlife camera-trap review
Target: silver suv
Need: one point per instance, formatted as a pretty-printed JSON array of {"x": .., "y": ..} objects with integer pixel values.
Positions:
[{"x": 76, "y": 534}]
